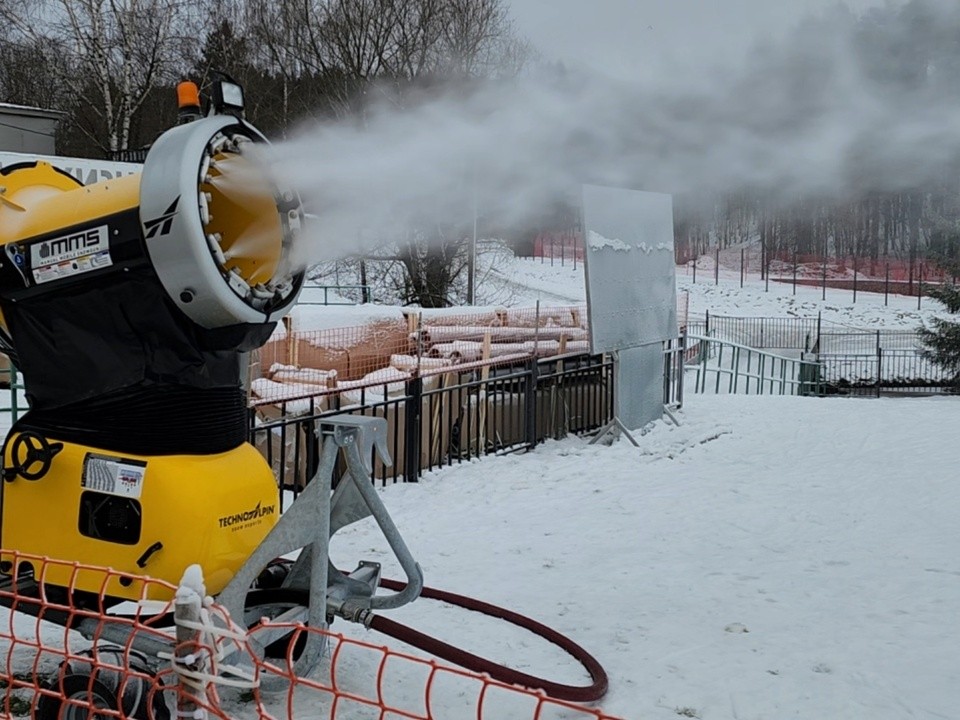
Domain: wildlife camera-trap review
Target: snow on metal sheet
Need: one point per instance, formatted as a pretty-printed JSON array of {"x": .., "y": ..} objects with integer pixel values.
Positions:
[{"x": 630, "y": 271}]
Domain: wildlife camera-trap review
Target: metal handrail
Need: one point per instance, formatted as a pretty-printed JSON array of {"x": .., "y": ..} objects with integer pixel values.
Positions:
[
  {"x": 364, "y": 293},
  {"x": 15, "y": 407},
  {"x": 763, "y": 373}
]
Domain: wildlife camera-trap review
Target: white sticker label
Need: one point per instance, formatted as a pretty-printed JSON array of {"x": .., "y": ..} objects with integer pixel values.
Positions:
[
  {"x": 115, "y": 476},
  {"x": 71, "y": 254}
]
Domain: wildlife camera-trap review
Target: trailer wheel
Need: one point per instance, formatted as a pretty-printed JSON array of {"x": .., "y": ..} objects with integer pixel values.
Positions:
[{"x": 81, "y": 688}]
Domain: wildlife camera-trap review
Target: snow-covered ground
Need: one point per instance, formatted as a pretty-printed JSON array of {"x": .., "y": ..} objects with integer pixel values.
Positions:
[
  {"x": 769, "y": 558},
  {"x": 869, "y": 311},
  {"x": 534, "y": 279},
  {"x": 522, "y": 282}
]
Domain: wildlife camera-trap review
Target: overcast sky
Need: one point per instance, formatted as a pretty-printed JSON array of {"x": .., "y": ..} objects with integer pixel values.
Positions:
[{"x": 647, "y": 38}]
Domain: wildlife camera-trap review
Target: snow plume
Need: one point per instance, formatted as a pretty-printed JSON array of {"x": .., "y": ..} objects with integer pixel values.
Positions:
[{"x": 841, "y": 106}]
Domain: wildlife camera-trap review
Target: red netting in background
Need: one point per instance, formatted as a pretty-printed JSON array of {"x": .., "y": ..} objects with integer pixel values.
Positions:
[
  {"x": 879, "y": 275},
  {"x": 562, "y": 247},
  {"x": 357, "y": 679}
]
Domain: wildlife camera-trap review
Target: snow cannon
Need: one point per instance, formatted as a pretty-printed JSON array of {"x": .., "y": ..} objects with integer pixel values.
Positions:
[{"x": 128, "y": 305}]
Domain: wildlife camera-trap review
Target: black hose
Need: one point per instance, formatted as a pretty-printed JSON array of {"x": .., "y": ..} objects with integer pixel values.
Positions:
[
  {"x": 576, "y": 693},
  {"x": 438, "y": 648}
]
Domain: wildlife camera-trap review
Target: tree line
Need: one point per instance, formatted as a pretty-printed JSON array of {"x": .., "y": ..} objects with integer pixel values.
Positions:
[{"x": 111, "y": 66}]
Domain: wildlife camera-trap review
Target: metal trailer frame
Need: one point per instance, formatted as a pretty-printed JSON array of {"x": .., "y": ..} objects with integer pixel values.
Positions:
[{"x": 322, "y": 509}]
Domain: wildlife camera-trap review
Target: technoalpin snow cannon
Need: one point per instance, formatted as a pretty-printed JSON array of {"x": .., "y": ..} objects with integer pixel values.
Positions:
[{"x": 127, "y": 305}]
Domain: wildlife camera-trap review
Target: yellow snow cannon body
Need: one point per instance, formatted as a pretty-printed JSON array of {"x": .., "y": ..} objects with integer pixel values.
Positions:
[{"x": 127, "y": 305}]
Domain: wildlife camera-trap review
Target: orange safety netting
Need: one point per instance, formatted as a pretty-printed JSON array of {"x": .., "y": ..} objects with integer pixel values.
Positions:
[
  {"x": 44, "y": 663},
  {"x": 352, "y": 365}
]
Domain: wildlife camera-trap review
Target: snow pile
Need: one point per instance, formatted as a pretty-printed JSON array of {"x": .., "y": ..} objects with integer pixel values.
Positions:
[{"x": 311, "y": 318}]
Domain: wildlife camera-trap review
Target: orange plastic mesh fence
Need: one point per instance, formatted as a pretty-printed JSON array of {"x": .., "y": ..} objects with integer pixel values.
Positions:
[
  {"x": 48, "y": 668},
  {"x": 386, "y": 352}
]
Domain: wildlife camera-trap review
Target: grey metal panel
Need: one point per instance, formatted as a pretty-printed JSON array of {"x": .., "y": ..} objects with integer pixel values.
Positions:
[
  {"x": 630, "y": 269},
  {"x": 640, "y": 385},
  {"x": 27, "y": 134}
]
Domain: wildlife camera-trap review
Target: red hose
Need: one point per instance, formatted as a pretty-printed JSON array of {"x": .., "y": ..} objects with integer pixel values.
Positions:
[{"x": 575, "y": 693}]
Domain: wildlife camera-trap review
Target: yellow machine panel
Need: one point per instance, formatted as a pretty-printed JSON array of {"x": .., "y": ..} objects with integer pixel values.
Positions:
[
  {"x": 40, "y": 199},
  {"x": 141, "y": 515}
]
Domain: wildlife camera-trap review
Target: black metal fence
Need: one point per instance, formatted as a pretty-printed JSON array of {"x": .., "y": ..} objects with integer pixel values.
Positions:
[
  {"x": 676, "y": 355},
  {"x": 763, "y": 333},
  {"x": 884, "y": 372},
  {"x": 867, "y": 342},
  {"x": 853, "y": 362},
  {"x": 455, "y": 415},
  {"x": 446, "y": 418},
  {"x": 132, "y": 155}
]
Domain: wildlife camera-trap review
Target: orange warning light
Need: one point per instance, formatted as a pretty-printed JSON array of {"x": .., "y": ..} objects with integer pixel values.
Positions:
[{"x": 188, "y": 95}]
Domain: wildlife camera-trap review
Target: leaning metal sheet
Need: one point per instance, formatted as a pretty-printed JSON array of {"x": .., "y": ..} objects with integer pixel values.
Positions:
[
  {"x": 631, "y": 283},
  {"x": 640, "y": 385}
]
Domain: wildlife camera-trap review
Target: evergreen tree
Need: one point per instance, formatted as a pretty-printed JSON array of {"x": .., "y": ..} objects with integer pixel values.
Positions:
[
  {"x": 942, "y": 344},
  {"x": 942, "y": 339}
]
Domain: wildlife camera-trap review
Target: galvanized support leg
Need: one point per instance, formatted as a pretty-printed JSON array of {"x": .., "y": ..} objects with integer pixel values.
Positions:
[{"x": 308, "y": 525}]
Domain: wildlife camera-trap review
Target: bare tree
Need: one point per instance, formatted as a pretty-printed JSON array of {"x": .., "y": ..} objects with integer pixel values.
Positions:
[
  {"x": 117, "y": 52},
  {"x": 478, "y": 38}
]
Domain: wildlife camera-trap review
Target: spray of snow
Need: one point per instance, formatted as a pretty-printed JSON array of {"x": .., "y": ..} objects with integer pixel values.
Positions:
[{"x": 807, "y": 116}]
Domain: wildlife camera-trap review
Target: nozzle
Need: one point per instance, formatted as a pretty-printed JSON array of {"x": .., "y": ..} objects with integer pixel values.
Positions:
[{"x": 188, "y": 101}]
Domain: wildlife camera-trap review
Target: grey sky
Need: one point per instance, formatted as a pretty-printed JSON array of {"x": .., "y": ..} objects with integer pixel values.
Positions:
[{"x": 646, "y": 38}]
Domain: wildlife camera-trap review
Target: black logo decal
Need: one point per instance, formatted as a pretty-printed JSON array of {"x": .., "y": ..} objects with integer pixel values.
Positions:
[
  {"x": 161, "y": 225},
  {"x": 71, "y": 243},
  {"x": 245, "y": 517}
]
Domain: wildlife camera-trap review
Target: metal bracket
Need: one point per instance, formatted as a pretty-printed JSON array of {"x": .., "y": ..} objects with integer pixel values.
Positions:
[
  {"x": 360, "y": 431},
  {"x": 312, "y": 519}
]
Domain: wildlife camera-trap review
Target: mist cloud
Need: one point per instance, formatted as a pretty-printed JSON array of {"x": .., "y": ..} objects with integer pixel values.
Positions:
[{"x": 843, "y": 106}]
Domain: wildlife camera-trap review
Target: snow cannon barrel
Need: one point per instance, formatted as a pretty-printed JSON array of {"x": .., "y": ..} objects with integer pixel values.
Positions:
[
  {"x": 214, "y": 228},
  {"x": 150, "y": 283}
]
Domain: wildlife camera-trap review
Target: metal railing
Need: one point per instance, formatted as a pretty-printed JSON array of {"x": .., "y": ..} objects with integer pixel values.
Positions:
[
  {"x": 884, "y": 372},
  {"x": 457, "y": 413},
  {"x": 764, "y": 332},
  {"x": 11, "y": 380},
  {"x": 866, "y": 342},
  {"x": 853, "y": 362},
  {"x": 364, "y": 291},
  {"x": 131, "y": 155},
  {"x": 446, "y": 416},
  {"x": 730, "y": 368},
  {"x": 676, "y": 354}
]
